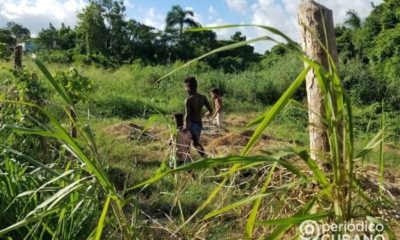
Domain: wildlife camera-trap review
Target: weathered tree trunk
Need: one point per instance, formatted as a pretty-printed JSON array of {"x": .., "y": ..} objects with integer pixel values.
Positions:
[
  {"x": 317, "y": 20},
  {"x": 18, "y": 57}
]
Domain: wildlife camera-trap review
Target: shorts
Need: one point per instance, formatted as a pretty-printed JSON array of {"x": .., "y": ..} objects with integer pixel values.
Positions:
[{"x": 195, "y": 130}]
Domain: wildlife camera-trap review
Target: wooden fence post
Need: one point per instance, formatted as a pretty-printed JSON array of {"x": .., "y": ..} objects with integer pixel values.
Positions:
[
  {"x": 18, "y": 57},
  {"x": 317, "y": 20}
]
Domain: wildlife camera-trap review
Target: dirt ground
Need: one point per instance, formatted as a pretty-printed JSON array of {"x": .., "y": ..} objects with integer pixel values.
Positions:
[{"x": 231, "y": 140}]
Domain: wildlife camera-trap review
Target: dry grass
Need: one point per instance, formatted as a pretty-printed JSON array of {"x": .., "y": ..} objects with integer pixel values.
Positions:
[{"x": 149, "y": 144}]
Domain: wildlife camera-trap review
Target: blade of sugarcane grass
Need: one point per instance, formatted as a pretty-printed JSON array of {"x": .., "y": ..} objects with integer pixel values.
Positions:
[
  {"x": 64, "y": 192},
  {"x": 257, "y": 202},
  {"x": 281, "y": 229},
  {"x": 67, "y": 99},
  {"x": 387, "y": 229},
  {"x": 234, "y": 168},
  {"x": 72, "y": 146},
  {"x": 28, "y": 220},
  {"x": 102, "y": 220},
  {"x": 381, "y": 158},
  {"x": 57, "y": 86},
  {"x": 275, "y": 110},
  {"x": 234, "y": 205},
  {"x": 332, "y": 64},
  {"x": 374, "y": 143},
  {"x": 33, "y": 192},
  {"x": 313, "y": 166},
  {"x": 296, "y": 219},
  {"x": 268, "y": 28},
  {"x": 221, "y": 49},
  {"x": 261, "y": 117},
  {"x": 33, "y": 161},
  {"x": 376, "y": 203},
  {"x": 209, "y": 163},
  {"x": 62, "y": 135},
  {"x": 210, "y": 197}
]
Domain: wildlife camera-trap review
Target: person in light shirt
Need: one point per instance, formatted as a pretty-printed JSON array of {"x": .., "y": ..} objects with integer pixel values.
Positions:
[{"x": 218, "y": 113}]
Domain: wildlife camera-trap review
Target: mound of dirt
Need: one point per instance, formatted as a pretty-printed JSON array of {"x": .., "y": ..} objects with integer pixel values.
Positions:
[
  {"x": 129, "y": 130},
  {"x": 230, "y": 139},
  {"x": 234, "y": 139},
  {"x": 124, "y": 128}
]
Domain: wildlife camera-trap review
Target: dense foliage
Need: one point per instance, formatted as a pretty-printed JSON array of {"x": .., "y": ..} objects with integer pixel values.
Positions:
[{"x": 370, "y": 50}]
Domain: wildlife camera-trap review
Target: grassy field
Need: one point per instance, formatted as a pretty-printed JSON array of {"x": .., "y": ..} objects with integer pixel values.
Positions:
[
  {"x": 135, "y": 157},
  {"x": 130, "y": 113}
]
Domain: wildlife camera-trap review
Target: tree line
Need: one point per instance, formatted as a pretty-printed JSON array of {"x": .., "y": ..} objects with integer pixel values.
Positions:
[
  {"x": 103, "y": 33},
  {"x": 368, "y": 48}
]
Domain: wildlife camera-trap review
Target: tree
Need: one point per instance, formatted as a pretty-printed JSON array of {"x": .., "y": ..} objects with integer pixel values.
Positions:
[
  {"x": 63, "y": 38},
  {"x": 118, "y": 43},
  {"x": 48, "y": 37},
  {"x": 353, "y": 20},
  {"x": 66, "y": 37},
  {"x": 238, "y": 37},
  {"x": 6, "y": 37},
  {"x": 178, "y": 16},
  {"x": 92, "y": 31},
  {"x": 345, "y": 45},
  {"x": 143, "y": 41},
  {"x": 77, "y": 87},
  {"x": 19, "y": 32}
]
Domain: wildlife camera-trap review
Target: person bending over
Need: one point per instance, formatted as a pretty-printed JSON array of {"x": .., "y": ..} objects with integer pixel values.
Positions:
[{"x": 182, "y": 141}]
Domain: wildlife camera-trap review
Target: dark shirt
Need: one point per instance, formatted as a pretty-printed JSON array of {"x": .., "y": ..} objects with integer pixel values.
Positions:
[{"x": 194, "y": 106}]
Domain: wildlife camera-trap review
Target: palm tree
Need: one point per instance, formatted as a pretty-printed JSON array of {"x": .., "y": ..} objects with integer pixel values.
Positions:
[
  {"x": 353, "y": 20},
  {"x": 180, "y": 17}
]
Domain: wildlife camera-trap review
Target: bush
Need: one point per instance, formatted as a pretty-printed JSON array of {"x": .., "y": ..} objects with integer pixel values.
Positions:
[
  {"x": 365, "y": 88},
  {"x": 4, "y": 51},
  {"x": 57, "y": 56},
  {"x": 121, "y": 107}
]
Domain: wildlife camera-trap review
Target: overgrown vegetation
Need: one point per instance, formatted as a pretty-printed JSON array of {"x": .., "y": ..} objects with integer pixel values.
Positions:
[{"x": 109, "y": 176}]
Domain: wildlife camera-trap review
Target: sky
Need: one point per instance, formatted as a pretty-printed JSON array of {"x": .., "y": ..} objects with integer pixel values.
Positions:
[{"x": 281, "y": 14}]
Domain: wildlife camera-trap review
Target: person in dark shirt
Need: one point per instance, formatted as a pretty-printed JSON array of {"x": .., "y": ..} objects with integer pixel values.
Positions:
[{"x": 193, "y": 107}]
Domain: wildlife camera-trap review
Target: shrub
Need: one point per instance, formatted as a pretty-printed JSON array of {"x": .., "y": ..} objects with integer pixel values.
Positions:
[
  {"x": 363, "y": 84},
  {"x": 4, "y": 50},
  {"x": 57, "y": 56}
]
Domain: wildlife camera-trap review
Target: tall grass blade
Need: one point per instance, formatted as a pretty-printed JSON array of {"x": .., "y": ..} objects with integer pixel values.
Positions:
[
  {"x": 270, "y": 29},
  {"x": 221, "y": 49},
  {"x": 57, "y": 86},
  {"x": 281, "y": 229},
  {"x": 297, "y": 219},
  {"x": 234, "y": 205},
  {"x": 381, "y": 157},
  {"x": 278, "y": 106},
  {"x": 102, "y": 220},
  {"x": 253, "y": 214}
]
